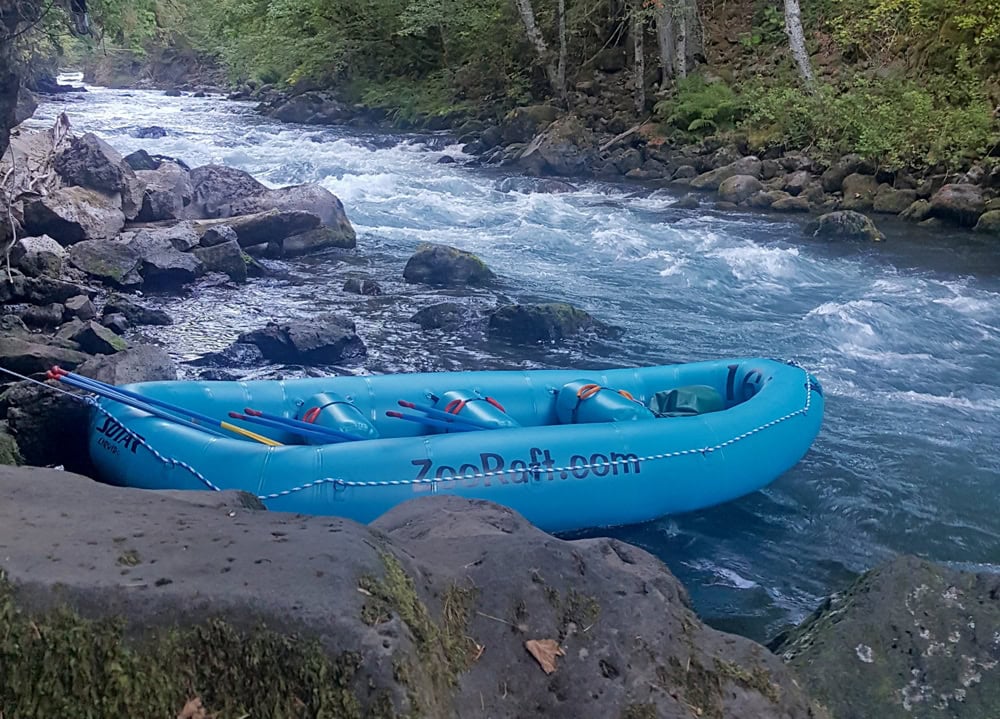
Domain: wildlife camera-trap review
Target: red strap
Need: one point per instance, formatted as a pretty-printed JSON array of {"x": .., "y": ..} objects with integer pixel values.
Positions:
[
  {"x": 311, "y": 415},
  {"x": 496, "y": 404}
]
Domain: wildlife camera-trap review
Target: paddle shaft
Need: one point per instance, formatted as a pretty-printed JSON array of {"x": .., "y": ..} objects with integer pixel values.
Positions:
[
  {"x": 302, "y": 432},
  {"x": 430, "y": 422},
  {"x": 445, "y": 416},
  {"x": 154, "y": 407},
  {"x": 295, "y": 424}
]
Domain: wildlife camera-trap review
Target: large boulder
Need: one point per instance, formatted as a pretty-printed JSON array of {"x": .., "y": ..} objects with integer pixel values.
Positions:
[
  {"x": 271, "y": 226},
  {"x": 859, "y": 192},
  {"x": 216, "y": 187},
  {"x": 313, "y": 108},
  {"x": 38, "y": 256},
  {"x": 444, "y": 315},
  {"x": 142, "y": 363},
  {"x": 97, "y": 339},
  {"x": 39, "y": 290},
  {"x": 310, "y": 198},
  {"x": 30, "y": 357},
  {"x": 167, "y": 192},
  {"x": 74, "y": 214},
  {"x": 738, "y": 188},
  {"x": 88, "y": 161},
  {"x": 433, "y": 610},
  {"x": 549, "y": 322},
  {"x": 565, "y": 147},
  {"x": 319, "y": 238},
  {"x": 522, "y": 123},
  {"x": 796, "y": 182},
  {"x": 226, "y": 258},
  {"x": 918, "y": 211},
  {"x": 164, "y": 260},
  {"x": 844, "y": 225},
  {"x": 892, "y": 201},
  {"x": 711, "y": 180},
  {"x": 910, "y": 639},
  {"x": 446, "y": 266},
  {"x": 323, "y": 339},
  {"x": 959, "y": 203},
  {"x": 109, "y": 261}
]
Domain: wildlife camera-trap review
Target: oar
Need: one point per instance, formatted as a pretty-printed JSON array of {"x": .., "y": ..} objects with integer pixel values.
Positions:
[
  {"x": 294, "y": 424},
  {"x": 302, "y": 432},
  {"x": 429, "y": 422},
  {"x": 446, "y": 416},
  {"x": 149, "y": 405}
]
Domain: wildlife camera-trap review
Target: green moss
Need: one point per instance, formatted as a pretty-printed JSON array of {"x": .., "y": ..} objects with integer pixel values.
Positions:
[
  {"x": 443, "y": 648},
  {"x": 129, "y": 558},
  {"x": 58, "y": 664},
  {"x": 702, "y": 687},
  {"x": 9, "y": 452}
]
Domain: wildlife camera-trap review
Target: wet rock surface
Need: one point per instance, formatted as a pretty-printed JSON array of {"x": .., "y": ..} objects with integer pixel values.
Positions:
[
  {"x": 324, "y": 339},
  {"x": 446, "y": 266}
]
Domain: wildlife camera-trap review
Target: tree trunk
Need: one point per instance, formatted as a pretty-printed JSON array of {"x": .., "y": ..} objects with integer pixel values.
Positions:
[
  {"x": 638, "y": 60},
  {"x": 695, "y": 35},
  {"x": 797, "y": 41},
  {"x": 561, "y": 67},
  {"x": 665, "y": 41},
  {"x": 680, "y": 39},
  {"x": 527, "y": 14}
]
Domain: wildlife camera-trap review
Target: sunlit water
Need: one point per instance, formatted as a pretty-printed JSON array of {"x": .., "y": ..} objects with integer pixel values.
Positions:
[{"x": 905, "y": 336}]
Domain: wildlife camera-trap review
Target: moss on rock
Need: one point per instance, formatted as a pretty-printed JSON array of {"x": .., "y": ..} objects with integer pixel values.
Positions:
[{"x": 59, "y": 664}]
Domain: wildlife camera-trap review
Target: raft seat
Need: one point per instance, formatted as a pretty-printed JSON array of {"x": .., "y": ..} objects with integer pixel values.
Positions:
[
  {"x": 332, "y": 411},
  {"x": 686, "y": 401},
  {"x": 478, "y": 409},
  {"x": 583, "y": 402}
]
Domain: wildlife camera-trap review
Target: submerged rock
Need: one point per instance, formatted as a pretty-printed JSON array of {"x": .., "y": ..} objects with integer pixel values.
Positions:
[
  {"x": 361, "y": 286},
  {"x": 910, "y": 639},
  {"x": 444, "y": 315},
  {"x": 446, "y": 266},
  {"x": 324, "y": 339},
  {"x": 425, "y": 612}
]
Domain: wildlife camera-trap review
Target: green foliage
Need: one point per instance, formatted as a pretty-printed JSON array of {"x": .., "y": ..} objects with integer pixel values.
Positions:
[
  {"x": 896, "y": 123},
  {"x": 700, "y": 107}
]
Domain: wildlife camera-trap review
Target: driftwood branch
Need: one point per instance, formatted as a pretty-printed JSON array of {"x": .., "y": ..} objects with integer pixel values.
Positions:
[{"x": 618, "y": 138}]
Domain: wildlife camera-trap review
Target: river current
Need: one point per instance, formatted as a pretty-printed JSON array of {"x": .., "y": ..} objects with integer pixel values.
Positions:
[{"x": 904, "y": 335}]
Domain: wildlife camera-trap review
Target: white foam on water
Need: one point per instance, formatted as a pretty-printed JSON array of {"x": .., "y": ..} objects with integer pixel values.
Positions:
[{"x": 725, "y": 576}]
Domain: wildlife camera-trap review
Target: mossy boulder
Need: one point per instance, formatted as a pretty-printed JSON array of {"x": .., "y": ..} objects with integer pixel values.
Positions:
[
  {"x": 859, "y": 192},
  {"x": 844, "y": 225},
  {"x": 9, "y": 453},
  {"x": 446, "y": 266},
  {"x": 566, "y": 147},
  {"x": 989, "y": 223},
  {"x": 910, "y": 639},
  {"x": 169, "y": 598}
]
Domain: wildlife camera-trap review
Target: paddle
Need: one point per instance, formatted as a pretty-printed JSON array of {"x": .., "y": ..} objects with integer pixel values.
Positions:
[
  {"x": 445, "y": 416},
  {"x": 320, "y": 433},
  {"x": 150, "y": 405},
  {"x": 431, "y": 422},
  {"x": 293, "y": 424}
]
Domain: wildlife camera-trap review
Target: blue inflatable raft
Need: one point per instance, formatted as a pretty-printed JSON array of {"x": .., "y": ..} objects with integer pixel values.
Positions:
[{"x": 568, "y": 449}]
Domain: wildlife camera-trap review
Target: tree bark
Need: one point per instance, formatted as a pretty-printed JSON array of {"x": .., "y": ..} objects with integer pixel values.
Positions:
[
  {"x": 527, "y": 14},
  {"x": 561, "y": 67},
  {"x": 797, "y": 41},
  {"x": 665, "y": 41},
  {"x": 680, "y": 39},
  {"x": 638, "y": 60}
]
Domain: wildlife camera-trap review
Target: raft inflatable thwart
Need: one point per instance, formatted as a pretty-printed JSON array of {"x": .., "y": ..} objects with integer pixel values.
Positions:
[{"x": 568, "y": 449}]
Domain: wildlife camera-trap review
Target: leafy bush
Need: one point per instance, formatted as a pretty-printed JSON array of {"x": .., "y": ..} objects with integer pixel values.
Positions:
[{"x": 700, "y": 107}]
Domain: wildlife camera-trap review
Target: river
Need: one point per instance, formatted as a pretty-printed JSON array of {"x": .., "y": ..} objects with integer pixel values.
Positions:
[{"x": 904, "y": 335}]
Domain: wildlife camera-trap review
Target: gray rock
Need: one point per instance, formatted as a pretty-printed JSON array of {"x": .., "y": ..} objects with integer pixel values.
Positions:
[
  {"x": 94, "y": 338},
  {"x": 845, "y": 225},
  {"x": 795, "y": 161},
  {"x": 141, "y": 160},
  {"x": 226, "y": 258},
  {"x": 765, "y": 198},
  {"x": 859, "y": 192},
  {"x": 26, "y": 357},
  {"x": 630, "y": 159},
  {"x": 909, "y": 639},
  {"x": 38, "y": 256},
  {"x": 712, "y": 179},
  {"x": 74, "y": 214},
  {"x": 239, "y": 354},
  {"x": 216, "y": 187},
  {"x": 152, "y": 131},
  {"x": 533, "y": 323},
  {"x": 217, "y": 235},
  {"x": 180, "y": 236},
  {"x": 959, "y": 203},
  {"x": 81, "y": 307},
  {"x": 135, "y": 313},
  {"x": 918, "y": 211},
  {"x": 90, "y": 162},
  {"x": 796, "y": 182},
  {"x": 272, "y": 226},
  {"x": 323, "y": 339},
  {"x": 769, "y": 169},
  {"x": 522, "y": 123},
  {"x": 107, "y": 260},
  {"x": 166, "y": 192},
  {"x": 444, "y": 315},
  {"x": 40, "y": 315},
  {"x": 451, "y": 590},
  {"x": 791, "y": 204},
  {"x": 446, "y": 266},
  {"x": 833, "y": 178},
  {"x": 362, "y": 286},
  {"x": 893, "y": 201},
  {"x": 143, "y": 363},
  {"x": 738, "y": 188},
  {"x": 313, "y": 108},
  {"x": 989, "y": 223},
  {"x": 168, "y": 268},
  {"x": 116, "y": 322},
  {"x": 611, "y": 60},
  {"x": 685, "y": 172},
  {"x": 687, "y": 202},
  {"x": 566, "y": 147},
  {"x": 39, "y": 290},
  {"x": 50, "y": 428},
  {"x": 9, "y": 453},
  {"x": 319, "y": 238}
]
